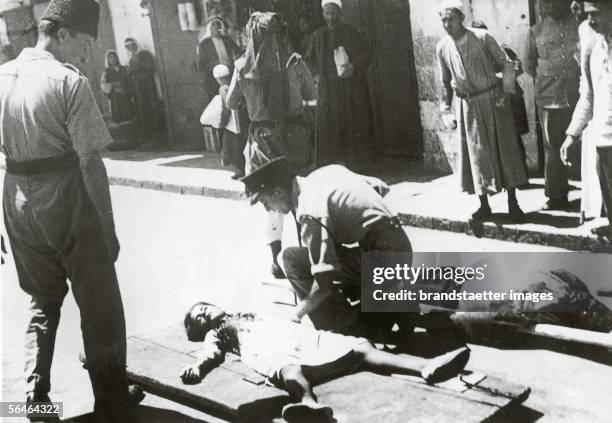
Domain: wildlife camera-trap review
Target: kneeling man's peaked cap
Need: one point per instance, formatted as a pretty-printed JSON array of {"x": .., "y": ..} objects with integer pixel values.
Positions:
[
  {"x": 265, "y": 176},
  {"x": 78, "y": 15}
]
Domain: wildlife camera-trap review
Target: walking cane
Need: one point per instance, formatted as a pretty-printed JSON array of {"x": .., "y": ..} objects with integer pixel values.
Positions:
[{"x": 315, "y": 154}]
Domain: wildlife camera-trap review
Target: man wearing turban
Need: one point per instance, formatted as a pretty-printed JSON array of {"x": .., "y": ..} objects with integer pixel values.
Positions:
[
  {"x": 339, "y": 58},
  {"x": 489, "y": 151}
]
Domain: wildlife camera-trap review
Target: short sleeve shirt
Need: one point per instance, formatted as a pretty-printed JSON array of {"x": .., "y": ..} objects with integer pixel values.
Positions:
[
  {"x": 337, "y": 207},
  {"x": 47, "y": 109}
]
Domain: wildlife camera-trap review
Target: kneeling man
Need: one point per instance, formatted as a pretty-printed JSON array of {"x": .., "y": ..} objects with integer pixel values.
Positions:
[{"x": 339, "y": 214}]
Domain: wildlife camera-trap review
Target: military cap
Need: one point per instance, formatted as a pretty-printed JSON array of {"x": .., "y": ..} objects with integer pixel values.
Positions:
[
  {"x": 264, "y": 177},
  {"x": 77, "y": 15}
]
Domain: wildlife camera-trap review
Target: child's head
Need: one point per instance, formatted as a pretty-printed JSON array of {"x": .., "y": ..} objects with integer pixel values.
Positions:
[
  {"x": 201, "y": 318},
  {"x": 222, "y": 74}
]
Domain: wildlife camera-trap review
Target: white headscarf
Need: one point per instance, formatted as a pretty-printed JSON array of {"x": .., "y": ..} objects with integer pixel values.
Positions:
[
  {"x": 336, "y": 2},
  {"x": 108, "y": 53},
  {"x": 453, "y": 5}
]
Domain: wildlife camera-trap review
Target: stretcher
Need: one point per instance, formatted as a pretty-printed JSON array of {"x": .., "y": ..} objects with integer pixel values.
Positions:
[{"x": 234, "y": 393}]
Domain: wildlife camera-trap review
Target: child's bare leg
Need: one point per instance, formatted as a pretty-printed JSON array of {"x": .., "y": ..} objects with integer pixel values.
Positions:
[
  {"x": 296, "y": 384},
  {"x": 305, "y": 408},
  {"x": 383, "y": 362},
  {"x": 432, "y": 370}
]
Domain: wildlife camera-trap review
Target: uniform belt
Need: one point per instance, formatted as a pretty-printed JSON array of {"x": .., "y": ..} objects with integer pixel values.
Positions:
[
  {"x": 473, "y": 94},
  {"x": 46, "y": 165},
  {"x": 388, "y": 224},
  {"x": 290, "y": 120}
]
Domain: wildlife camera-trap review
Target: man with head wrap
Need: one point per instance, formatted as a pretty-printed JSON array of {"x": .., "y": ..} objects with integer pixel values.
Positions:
[
  {"x": 339, "y": 57},
  {"x": 216, "y": 48},
  {"x": 274, "y": 84},
  {"x": 489, "y": 151},
  {"x": 141, "y": 71},
  {"x": 57, "y": 205}
]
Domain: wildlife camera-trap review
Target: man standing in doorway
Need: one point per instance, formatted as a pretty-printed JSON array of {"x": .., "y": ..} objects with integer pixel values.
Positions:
[
  {"x": 57, "y": 205},
  {"x": 595, "y": 104},
  {"x": 490, "y": 156},
  {"x": 339, "y": 59},
  {"x": 550, "y": 60}
]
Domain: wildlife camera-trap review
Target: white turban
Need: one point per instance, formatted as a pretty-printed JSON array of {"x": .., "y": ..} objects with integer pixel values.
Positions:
[
  {"x": 221, "y": 71},
  {"x": 336, "y": 2},
  {"x": 452, "y": 4}
]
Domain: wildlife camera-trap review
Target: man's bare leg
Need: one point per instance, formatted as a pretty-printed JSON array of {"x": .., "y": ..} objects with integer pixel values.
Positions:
[{"x": 432, "y": 370}]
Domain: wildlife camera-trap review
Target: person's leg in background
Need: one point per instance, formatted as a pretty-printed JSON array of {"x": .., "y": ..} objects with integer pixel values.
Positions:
[
  {"x": 554, "y": 124},
  {"x": 604, "y": 171}
]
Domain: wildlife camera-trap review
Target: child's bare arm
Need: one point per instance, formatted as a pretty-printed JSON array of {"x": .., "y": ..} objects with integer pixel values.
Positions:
[
  {"x": 212, "y": 355},
  {"x": 197, "y": 371}
]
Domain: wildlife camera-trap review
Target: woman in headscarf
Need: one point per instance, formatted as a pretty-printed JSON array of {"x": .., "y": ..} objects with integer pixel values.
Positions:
[
  {"x": 275, "y": 84},
  {"x": 216, "y": 48},
  {"x": 116, "y": 85},
  {"x": 141, "y": 72}
]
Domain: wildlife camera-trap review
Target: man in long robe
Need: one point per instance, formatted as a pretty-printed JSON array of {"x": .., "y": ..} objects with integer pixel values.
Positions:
[
  {"x": 344, "y": 118},
  {"x": 489, "y": 151}
]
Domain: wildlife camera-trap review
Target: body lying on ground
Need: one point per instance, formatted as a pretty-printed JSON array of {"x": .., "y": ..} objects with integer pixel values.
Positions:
[
  {"x": 572, "y": 305},
  {"x": 294, "y": 357}
]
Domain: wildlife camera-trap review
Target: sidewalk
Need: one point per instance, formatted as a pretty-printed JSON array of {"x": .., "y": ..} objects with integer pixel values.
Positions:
[{"x": 423, "y": 199}]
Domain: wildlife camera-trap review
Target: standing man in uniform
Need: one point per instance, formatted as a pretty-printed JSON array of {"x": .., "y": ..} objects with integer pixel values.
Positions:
[
  {"x": 595, "y": 104},
  {"x": 550, "y": 60},
  {"x": 57, "y": 205},
  {"x": 333, "y": 208}
]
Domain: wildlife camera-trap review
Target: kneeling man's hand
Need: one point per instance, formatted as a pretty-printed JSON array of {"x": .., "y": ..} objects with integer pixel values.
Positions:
[{"x": 191, "y": 375}]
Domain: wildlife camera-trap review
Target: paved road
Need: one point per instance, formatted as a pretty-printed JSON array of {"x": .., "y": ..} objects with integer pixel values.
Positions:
[{"x": 179, "y": 248}]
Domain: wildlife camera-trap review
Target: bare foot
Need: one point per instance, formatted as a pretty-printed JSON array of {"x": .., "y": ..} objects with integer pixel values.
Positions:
[
  {"x": 446, "y": 366},
  {"x": 310, "y": 411}
]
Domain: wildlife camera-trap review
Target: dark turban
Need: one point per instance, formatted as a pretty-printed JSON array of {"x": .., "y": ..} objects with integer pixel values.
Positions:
[{"x": 77, "y": 15}]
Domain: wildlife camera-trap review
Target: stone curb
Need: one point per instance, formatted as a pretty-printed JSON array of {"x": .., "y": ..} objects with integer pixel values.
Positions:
[
  {"x": 488, "y": 230},
  {"x": 503, "y": 233},
  {"x": 176, "y": 188}
]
